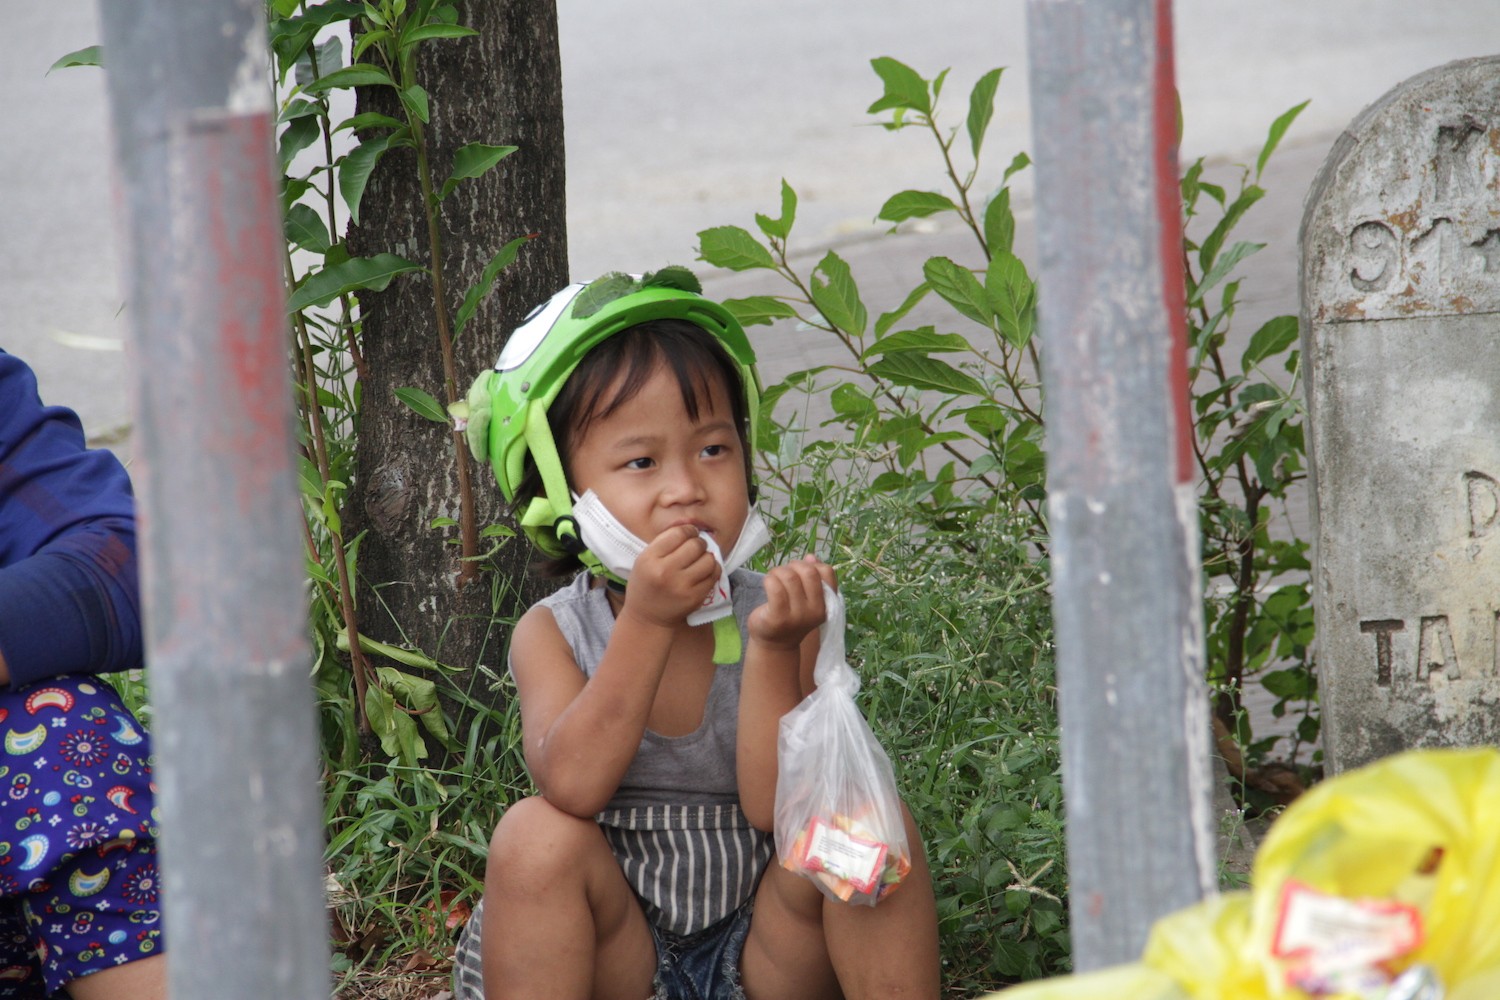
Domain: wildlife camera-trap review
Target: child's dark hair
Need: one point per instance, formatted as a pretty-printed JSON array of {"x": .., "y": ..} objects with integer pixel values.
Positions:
[{"x": 624, "y": 362}]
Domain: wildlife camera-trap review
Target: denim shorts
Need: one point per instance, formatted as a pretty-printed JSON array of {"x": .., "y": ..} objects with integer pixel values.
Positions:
[
  {"x": 704, "y": 965},
  {"x": 700, "y": 966}
]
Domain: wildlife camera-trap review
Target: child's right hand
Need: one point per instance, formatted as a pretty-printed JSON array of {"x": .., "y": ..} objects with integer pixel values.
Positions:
[{"x": 671, "y": 578}]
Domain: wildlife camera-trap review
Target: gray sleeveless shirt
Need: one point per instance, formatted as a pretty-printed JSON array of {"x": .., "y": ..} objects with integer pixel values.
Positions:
[{"x": 675, "y": 823}]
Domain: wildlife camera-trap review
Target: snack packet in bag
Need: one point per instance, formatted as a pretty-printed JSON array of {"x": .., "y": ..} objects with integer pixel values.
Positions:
[{"x": 838, "y": 818}]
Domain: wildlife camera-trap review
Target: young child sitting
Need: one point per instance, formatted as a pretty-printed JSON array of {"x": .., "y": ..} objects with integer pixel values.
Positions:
[{"x": 618, "y": 421}]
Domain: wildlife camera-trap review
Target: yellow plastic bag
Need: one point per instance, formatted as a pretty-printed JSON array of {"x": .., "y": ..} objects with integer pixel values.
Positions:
[
  {"x": 1368, "y": 875},
  {"x": 1412, "y": 841},
  {"x": 1135, "y": 981}
]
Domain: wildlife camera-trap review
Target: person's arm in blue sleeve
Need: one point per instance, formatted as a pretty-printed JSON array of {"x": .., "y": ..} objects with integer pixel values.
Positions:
[{"x": 69, "y": 591}]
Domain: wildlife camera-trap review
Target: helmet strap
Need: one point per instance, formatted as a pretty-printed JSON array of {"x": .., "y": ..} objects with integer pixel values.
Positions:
[{"x": 554, "y": 509}]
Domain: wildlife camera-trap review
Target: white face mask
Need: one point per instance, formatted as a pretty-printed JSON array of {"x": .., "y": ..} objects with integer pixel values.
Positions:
[{"x": 618, "y": 549}]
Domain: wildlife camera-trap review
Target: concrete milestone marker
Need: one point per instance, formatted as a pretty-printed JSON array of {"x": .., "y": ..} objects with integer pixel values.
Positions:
[{"x": 1401, "y": 341}]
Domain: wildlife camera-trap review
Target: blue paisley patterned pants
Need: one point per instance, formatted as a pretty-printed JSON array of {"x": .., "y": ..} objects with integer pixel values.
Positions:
[{"x": 78, "y": 879}]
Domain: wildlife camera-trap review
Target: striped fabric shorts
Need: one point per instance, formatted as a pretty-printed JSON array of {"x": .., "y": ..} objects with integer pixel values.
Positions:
[
  {"x": 694, "y": 869},
  {"x": 691, "y": 866}
]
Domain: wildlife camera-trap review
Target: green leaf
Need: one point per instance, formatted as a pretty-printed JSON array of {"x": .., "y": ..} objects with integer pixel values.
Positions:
[
  {"x": 1189, "y": 185},
  {"x": 601, "y": 292},
  {"x": 358, "y": 75},
  {"x": 837, "y": 296},
  {"x": 851, "y": 402},
  {"x": 397, "y": 732},
  {"x": 400, "y": 654},
  {"x": 673, "y": 276},
  {"x": 1291, "y": 683},
  {"x": 982, "y": 108},
  {"x": 329, "y": 57},
  {"x": 921, "y": 372},
  {"x": 904, "y": 88},
  {"x": 296, "y": 137},
  {"x": 984, "y": 465},
  {"x": 414, "y": 100},
  {"x": 1012, "y": 296},
  {"x": 733, "y": 248},
  {"x": 354, "y": 173},
  {"x": 915, "y": 205},
  {"x": 986, "y": 419},
  {"x": 423, "y": 404},
  {"x": 370, "y": 119},
  {"x": 1222, "y": 267},
  {"x": 923, "y": 340},
  {"x": 959, "y": 288},
  {"x": 93, "y": 55},
  {"x": 291, "y": 36},
  {"x": 887, "y": 320},
  {"x": 1000, "y": 223},
  {"x": 309, "y": 479},
  {"x": 1017, "y": 164},
  {"x": 298, "y": 109},
  {"x": 474, "y": 160},
  {"x": 1273, "y": 139},
  {"x": 609, "y": 287},
  {"x": 305, "y": 228},
  {"x": 373, "y": 273},
  {"x": 481, "y": 288},
  {"x": 292, "y": 190},
  {"x": 417, "y": 695},
  {"x": 1232, "y": 216},
  {"x": 755, "y": 310},
  {"x": 424, "y": 32},
  {"x": 1271, "y": 339},
  {"x": 370, "y": 39},
  {"x": 937, "y": 84},
  {"x": 780, "y": 229}
]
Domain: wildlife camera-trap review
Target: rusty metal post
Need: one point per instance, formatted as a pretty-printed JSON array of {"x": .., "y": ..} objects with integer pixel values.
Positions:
[
  {"x": 223, "y": 571},
  {"x": 1127, "y": 594}
]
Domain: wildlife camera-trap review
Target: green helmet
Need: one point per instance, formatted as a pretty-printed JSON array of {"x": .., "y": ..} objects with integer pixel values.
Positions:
[{"x": 507, "y": 406}]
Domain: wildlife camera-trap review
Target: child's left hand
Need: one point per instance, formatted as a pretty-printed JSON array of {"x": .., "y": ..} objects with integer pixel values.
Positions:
[{"x": 794, "y": 603}]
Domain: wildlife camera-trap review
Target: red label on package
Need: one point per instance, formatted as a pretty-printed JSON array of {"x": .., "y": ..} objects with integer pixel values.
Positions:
[
  {"x": 1329, "y": 938},
  {"x": 857, "y": 860}
]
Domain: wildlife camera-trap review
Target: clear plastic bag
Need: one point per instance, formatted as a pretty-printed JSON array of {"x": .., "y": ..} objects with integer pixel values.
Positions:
[{"x": 838, "y": 816}]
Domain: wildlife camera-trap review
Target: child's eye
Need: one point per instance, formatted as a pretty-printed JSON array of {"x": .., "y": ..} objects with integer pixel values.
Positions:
[
  {"x": 715, "y": 450},
  {"x": 638, "y": 463}
]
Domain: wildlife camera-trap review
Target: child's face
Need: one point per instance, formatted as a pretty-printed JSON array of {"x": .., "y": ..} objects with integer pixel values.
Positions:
[{"x": 654, "y": 467}]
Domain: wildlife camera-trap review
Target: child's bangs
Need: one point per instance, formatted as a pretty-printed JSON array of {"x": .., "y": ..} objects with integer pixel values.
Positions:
[{"x": 617, "y": 371}]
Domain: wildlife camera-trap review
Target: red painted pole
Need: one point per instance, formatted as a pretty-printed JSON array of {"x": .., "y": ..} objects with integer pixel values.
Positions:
[
  {"x": 223, "y": 576},
  {"x": 1126, "y": 590}
]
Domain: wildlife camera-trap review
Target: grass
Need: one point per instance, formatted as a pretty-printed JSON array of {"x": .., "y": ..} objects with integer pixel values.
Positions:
[{"x": 950, "y": 631}]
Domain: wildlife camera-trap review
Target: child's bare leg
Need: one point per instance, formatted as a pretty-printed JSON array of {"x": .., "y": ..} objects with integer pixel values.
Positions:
[
  {"x": 560, "y": 920},
  {"x": 143, "y": 979},
  {"x": 786, "y": 954},
  {"x": 889, "y": 950},
  {"x": 803, "y": 945}
]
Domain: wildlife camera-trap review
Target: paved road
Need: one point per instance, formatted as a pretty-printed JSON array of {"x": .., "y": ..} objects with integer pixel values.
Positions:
[{"x": 683, "y": 115}]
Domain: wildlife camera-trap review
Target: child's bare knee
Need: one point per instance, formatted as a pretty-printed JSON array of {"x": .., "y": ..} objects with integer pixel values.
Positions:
[
  {"x": 790, "y": 896},
  {"x": 538, "y": 840}
]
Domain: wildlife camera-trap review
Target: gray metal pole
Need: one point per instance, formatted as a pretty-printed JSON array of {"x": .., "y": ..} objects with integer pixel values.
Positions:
[
  {"x": 1128, "y": 611},
  {"x": 223, "y": 572}
]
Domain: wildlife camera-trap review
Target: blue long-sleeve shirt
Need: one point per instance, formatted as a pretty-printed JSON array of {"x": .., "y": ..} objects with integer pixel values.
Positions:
[{"x": 69, "y": 594}]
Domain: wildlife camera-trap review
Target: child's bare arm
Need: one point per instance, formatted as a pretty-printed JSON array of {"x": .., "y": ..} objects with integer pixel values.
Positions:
[
  {"x": 579, "y": 734},
  {"x": 778, "y": 669}
]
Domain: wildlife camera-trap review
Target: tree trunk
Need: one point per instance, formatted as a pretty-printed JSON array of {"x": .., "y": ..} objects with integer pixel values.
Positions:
[{"x": 503, "y": 87}]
